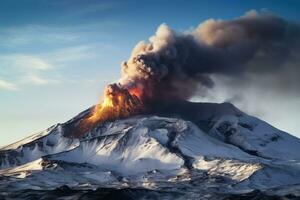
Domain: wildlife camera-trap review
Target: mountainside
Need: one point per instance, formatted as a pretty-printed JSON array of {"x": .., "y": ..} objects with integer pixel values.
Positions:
[{"x": 197, "y": 151}]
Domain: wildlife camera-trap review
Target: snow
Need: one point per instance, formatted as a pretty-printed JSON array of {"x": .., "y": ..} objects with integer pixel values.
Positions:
[
  {"x": 236, "y": 152},
  {"x": 232, "y": 169},
  {"x": 28, "y": 139},
  {"x": 24, "y": 170},
  {"x": 194, "y": 142},
  {"x": 161, "y": 135},
  {"x": 252, "y": 134},
  {"x": 50, "y": 141},
  {"x": 131, "y": 152}
]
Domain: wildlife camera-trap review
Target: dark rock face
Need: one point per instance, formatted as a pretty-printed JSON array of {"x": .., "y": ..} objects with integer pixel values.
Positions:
[
  {"x": 258, "y": 195},
  {"x": 65, "y": 192}
]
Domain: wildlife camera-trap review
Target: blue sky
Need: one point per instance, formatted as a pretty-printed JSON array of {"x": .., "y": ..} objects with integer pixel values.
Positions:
[{"x": 56, "y": 56}]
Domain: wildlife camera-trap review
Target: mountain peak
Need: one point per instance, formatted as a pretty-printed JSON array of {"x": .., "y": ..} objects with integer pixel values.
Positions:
[{"x": 196, "y": 145}]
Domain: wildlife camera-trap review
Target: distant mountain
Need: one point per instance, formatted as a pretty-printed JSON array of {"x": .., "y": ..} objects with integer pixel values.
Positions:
[{"x": 179, "y": 150}]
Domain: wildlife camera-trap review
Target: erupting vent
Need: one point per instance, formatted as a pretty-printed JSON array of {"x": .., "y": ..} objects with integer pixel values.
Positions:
[
  {"x": 178, "y": 66},
  {"x": 118, "y": 103}
]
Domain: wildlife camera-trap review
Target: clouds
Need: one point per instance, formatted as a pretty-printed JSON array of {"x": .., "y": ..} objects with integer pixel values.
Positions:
[
  {"x": 5, "y": 85},
  {"x": 38, "y": 80},
  {"x": 36, "y": 55},
  {"x": 93, "y": 8},
  {"x": 48, "y": 54},
  {"x": 72, "y": 54},
  {"x": 24, "y": 70},
  {"x": 24, "y": 61}
]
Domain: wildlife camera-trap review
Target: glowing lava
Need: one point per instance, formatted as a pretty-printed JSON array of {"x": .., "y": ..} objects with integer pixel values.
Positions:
[{"x": 118, "y": 103}]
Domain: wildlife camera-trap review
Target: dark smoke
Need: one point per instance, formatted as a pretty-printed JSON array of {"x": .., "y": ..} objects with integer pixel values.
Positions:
[{"x": 177, "y": 65}]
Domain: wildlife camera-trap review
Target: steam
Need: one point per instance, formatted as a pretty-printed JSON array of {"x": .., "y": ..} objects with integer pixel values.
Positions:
[{"x": 178, "y": 65}]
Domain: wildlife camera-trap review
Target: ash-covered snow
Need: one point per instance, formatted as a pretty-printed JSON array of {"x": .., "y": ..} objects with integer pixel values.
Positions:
[{"x": 230, "y": 153}]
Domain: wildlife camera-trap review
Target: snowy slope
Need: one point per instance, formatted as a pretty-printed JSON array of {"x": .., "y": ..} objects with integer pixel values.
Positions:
[
  {"x": 50, "y": 141},
  {"x": 34, "y": 147},
  {"x": 217, "y": 148},
  {"x": 256, "y": 137}
]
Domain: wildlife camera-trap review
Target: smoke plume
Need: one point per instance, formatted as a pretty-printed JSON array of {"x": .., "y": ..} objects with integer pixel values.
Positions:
[
  {"x": 177, "y": 65},
  {"x": 257, "y": 48}
]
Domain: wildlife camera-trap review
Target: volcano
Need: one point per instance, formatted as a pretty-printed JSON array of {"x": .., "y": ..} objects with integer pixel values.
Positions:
[{"x": 175, "y": 150}]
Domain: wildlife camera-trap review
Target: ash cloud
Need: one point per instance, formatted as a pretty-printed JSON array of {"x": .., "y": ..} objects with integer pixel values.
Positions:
[{"x": 178, "y": 65}]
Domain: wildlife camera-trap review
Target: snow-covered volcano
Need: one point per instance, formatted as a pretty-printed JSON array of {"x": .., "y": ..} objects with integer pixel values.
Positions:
[{"x": 197, "y": 151}]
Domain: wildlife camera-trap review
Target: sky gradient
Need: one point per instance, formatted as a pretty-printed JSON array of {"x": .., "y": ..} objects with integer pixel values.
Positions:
[{"x": 56, "y": 56}]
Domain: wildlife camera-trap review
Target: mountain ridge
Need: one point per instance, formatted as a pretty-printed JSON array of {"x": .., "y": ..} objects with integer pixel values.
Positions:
[{"x": 222, "y": 147}]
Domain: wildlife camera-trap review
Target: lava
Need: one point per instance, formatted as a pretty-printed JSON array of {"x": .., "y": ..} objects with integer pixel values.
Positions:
[{"x": 118, "y": 102}]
